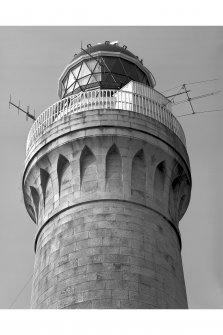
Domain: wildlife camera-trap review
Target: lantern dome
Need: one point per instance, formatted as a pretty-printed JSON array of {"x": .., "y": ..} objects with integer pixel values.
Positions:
[{"x": 105, "y": 66}]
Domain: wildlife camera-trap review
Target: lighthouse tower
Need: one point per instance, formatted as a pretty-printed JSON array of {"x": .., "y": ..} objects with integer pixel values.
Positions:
[{"x": 107, "y": 180}]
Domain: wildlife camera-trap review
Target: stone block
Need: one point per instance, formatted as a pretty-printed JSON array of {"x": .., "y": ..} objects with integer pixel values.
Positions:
[
  {"x": 96, "y": 294},
  {"x": 120, "y": 294},
  {"x": 106, "y": 304},
  {"x": 68, "y": 249},
  {"x": 95, "y": 267},
  {"x": 80, "y": 305},
  {"x": 105, "y": 250}
]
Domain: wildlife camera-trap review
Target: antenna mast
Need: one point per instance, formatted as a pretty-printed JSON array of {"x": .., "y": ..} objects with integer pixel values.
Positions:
[
  {"x": 28, "y": 115},
  {"x": 188, "y": 98}
]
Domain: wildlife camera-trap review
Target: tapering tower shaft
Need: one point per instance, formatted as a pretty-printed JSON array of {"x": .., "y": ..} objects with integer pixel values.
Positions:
[{"x": 107, "y": 180}]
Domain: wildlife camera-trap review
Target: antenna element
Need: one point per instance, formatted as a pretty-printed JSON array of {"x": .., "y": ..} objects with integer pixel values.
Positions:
[{"x": 28, "y": 115}]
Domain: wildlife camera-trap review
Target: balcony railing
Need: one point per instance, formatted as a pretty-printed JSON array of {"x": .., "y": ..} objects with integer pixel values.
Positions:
[{"x": 152, "y": 104}]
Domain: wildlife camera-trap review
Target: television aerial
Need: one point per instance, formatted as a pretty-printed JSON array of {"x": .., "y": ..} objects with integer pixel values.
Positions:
[
  {"x": 184, "y": 90},
  {"x": 27, "y": 112}
]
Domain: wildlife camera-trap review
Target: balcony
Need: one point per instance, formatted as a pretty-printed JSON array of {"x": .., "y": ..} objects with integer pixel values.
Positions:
[{"x": 146, "y": 101}]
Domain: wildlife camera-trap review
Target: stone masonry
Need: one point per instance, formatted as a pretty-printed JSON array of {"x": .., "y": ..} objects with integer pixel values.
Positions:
[{"x": 107, "y": 189}]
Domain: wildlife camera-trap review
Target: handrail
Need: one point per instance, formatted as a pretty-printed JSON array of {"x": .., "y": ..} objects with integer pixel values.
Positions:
[{"x": 150, "y": 103}]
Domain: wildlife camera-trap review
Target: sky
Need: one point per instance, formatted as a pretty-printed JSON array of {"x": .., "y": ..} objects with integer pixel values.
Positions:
[{"x": 31, "y": 62}]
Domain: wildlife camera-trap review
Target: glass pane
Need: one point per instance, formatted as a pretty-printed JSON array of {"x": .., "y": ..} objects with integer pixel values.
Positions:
[
  {"x": 110, "y": 85},
  {"x": 117, "y": 67},
  {"x": 98, "y": 66},
  {"x": 104, "y": 68},
  {"x": 91, "y": 64},
  {"x": 131, "y": 70},
  {"x": 92, "y": 80},
  {"x": 108, "y": 78},
  {"x": 109, "y": 61},
  {"x": 77, "y": 90},
  {"x": 76, "y": 71},
  {"x": 70, "y": 79},
  {"x": 145, "y": 81},
  {"x": 65, "y": 81},
  {"x": 141, "y": 75},
  {"x": 121, "y": 79},
  {"x": 62, "y": 86},
  {"x": 83, "y": 87},
  {"x": 76, "y": 85},
  {"x": 84, "y": 71},
  {"x": 83, "y": 81},
  {"x": 62, "y": 91},
  {"x": 92, "y": 85},
  {"x": 70, "y": 89},
  {"x": 97, "y": 76}
]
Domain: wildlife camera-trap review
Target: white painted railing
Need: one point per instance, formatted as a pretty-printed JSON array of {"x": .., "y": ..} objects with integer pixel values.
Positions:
[{"x": 152, "y": 104}]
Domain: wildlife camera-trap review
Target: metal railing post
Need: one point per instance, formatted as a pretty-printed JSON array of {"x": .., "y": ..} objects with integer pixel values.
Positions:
[{"x": 148, "y": 102}]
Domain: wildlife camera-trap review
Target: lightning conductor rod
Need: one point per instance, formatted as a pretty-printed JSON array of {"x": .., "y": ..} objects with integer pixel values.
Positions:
[{"x": 189, "y": 99}]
